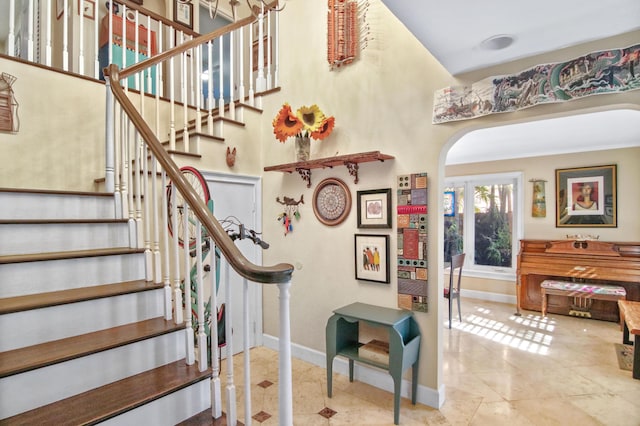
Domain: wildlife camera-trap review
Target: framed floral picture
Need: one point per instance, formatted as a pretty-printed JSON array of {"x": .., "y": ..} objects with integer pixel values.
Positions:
[
  {"x": 372, "y": 258},
  {"x": 586, "y": 197},
  {"x": 374, "y": 208}
]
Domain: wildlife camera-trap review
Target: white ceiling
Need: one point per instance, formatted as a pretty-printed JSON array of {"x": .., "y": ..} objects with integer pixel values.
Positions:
[{"x": 454, "y": 31}]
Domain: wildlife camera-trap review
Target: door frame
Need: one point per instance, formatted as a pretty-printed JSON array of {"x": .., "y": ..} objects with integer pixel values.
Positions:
[{"x": 255, "y": 291}]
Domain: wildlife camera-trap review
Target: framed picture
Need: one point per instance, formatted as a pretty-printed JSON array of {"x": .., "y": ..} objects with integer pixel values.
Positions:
[
  {"x": 372, "y": 258},
  {"x": 88, "y": 8},
  {"x": 449, "y": 203},
  {"x": 374, "y": 208},
  {"x": 586, "y": 197},
  {"x": 183, "y": 13}
]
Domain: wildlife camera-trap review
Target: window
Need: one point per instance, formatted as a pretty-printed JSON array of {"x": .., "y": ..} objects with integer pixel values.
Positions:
[{"x": 485, "y": 222}]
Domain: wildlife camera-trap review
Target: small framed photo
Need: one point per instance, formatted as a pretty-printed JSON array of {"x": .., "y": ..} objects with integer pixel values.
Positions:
[
  {"x": 374, "y": 208},
  {"x": 586, "y": 197},
  {"x": 449, "y": 203},
  {"x": 183, "y": 13},
  {"x": 372, "y": 258},
  {"x": 88, "y": 8}
]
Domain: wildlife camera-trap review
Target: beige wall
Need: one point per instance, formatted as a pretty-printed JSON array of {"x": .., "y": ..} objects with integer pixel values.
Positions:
[
  {"x": 60, "y": 144},
  {"x": 381, "y": 102}
]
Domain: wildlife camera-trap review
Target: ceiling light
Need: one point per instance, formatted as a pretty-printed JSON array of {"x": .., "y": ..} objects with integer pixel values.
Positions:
[{"x": 497, "y": 42}]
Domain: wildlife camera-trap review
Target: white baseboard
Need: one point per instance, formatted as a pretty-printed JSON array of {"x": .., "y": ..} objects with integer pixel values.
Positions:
[
  {"x": 369, "y": 375},
  {"x": 491, "y": 297}
]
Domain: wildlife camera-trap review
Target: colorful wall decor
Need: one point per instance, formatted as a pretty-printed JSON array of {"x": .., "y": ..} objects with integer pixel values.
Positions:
[
  {"x": 412, "y": 242},
  {"x": 609, "y": 71},
  {"x": 346, "y": 31},
  {"x": 539, "y": 203}
]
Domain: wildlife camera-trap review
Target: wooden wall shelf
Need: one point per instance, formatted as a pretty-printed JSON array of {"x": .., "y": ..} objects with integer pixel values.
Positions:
[{"x": 350, "y": 161}]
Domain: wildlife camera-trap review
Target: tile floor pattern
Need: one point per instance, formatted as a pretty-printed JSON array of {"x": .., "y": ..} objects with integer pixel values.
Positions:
[{"x": 499, "y": 369}]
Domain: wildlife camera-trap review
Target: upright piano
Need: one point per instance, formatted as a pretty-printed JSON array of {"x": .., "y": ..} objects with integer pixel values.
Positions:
[{"x": 579, "y": 261}]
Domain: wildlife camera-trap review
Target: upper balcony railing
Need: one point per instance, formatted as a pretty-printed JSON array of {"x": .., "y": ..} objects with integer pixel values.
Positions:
[{"x": 82, "y": 37}]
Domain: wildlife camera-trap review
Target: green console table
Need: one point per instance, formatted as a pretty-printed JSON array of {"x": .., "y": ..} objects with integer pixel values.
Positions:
[{"x": 404, "y": 343}]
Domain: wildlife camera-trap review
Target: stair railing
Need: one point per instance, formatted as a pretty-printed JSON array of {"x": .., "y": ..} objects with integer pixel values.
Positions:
[{"x": 135, "y": 157}]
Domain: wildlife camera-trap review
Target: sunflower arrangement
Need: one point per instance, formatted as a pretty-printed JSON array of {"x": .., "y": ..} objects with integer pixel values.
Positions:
[{"x": 306, "y": 122}]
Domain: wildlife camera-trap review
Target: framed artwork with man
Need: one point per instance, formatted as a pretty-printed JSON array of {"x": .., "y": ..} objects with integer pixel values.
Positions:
[{"x": 586, "y": 197}]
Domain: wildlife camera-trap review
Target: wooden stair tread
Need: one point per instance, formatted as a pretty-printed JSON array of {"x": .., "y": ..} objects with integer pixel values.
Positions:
[
  {"x": 114, "y": 398},
  {"x": 49, "y": 353},
  {"x": 55, "y": 298},
  {"x": 58, "y": 255},
  {"x": 56, "y": 192},
  {"x": 58, "y": 221}
]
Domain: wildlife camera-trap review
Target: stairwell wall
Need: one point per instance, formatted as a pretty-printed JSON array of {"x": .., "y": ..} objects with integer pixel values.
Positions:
[{"x": 383, "y": 101}]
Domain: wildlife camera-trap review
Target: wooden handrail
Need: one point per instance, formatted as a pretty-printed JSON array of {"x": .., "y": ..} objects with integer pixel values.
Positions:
[
  {"x": 280, "y": 273},
  {"x": 161, "y": 57}
]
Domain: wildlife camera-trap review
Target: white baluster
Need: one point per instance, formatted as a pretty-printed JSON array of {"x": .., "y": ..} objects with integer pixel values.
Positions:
[
  {"x": 177, "y": 294},
  {"x": 216, "y": 393},
  {"x": 81, "y": 37},
  {"x": 47, "y": 41},
  {"x": 109, "y": 142},
  {"x": 148, "y": 200},
  {"x": 30, "y": 52},
  {"x": 202, "y": 336},
  {"x": 241, "y": 88},
  {"x": 172, "y": 95},
  {"x": 210, "y": 100},
  {"x": 168, "y": 313},
  {"x": 96, "y": 47},
  {"x": 232, "y": 412},
  {"x": 149, "y": 82},
  {"x": 247, "y": 357},
  {"x": 136, "y": 53},
  {"x": 250, "y": 47},
  {"x": 285, "y": 395},
  {"x": 128, "y": 137},
  {"x": 232, "y": 104},
  {"x": 190, "y": 354},
  {"x": 183, "y": 96},
  {"x": 221, "y": 79},
  {"x": 276, "y": 42},
  {"x": 11, "y": 37},
  {"x": 138, "y": 143},
  {"x": 65, "y": 36},
  {"x": 261, "y": 84},
  {"x": 268, "y": 52}
]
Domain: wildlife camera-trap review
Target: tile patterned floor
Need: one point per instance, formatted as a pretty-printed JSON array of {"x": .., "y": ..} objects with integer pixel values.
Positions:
[{"x": 499, "y": 369}]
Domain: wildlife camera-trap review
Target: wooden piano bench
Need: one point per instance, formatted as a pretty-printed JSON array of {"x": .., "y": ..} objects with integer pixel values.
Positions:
[
  {"x": 630, "y": 322},
  {"x": 583, "y": 294}
]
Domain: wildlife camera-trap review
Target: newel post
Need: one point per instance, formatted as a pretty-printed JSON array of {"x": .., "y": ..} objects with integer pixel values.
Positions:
[
  {"x": 284, "y": 378},
  {"x": 109, "y": 143}
]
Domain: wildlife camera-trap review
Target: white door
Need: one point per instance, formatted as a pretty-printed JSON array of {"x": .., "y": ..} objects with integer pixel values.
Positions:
[{"x": 238, "y": 199}]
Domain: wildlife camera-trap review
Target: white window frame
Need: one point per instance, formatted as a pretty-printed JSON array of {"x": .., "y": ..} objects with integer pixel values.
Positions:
[{"x": 469, "y": 183}]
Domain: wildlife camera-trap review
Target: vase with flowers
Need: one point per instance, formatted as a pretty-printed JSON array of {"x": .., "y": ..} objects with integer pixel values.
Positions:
[{"x": 305, "y": 124}]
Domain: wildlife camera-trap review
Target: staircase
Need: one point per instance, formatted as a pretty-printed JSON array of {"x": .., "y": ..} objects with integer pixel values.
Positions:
[{"x": 84, "y": 336}]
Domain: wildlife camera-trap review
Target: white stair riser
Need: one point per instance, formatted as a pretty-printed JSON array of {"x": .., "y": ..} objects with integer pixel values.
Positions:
[
  {"x": 19, "y": 205},
  {"x": 23, "y": 392},
  {"x": 42, "y": 238},
  {"x": 169, "y": 410},
  {"x": 17, "y": 279},
  {"x": 27, "y": 328}
]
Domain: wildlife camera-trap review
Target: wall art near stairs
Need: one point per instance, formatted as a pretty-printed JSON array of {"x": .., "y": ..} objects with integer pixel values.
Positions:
[{"x": 412, "y": 242}]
